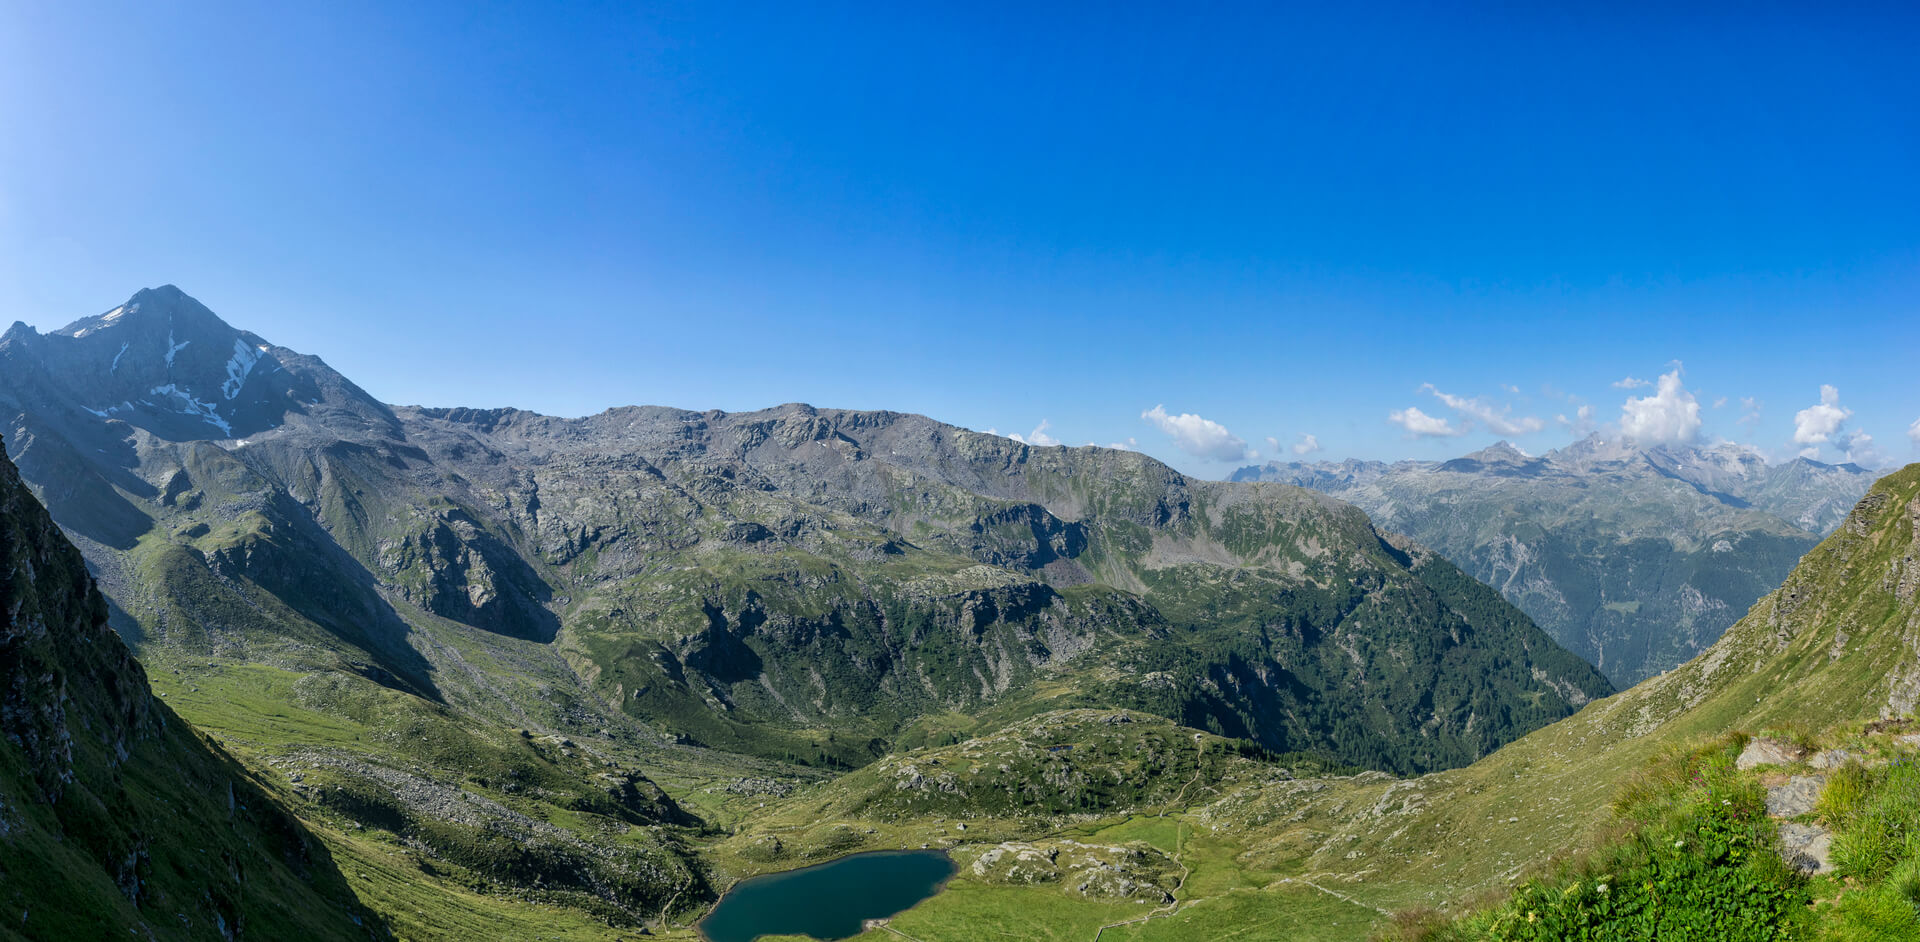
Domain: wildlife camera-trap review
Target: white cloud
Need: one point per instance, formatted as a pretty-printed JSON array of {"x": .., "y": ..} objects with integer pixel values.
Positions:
[
  {"x": 1671, "y": 414},
  {"x": 1913, "y": 433},
  {"x": 1581, "y": 425},
  {"x": 1511, "y": 389},
  {"x": 1819, "y": 423},
  {"x": 1038, "y": 438},
  {"x": 1273, "y": 444},
  {"x": 1811, "y": 454},
  {"x": 1202, "y": 438},
  {"x": 1131, "y": 444},
  {"x": 1307, "y": 445},
  {"x": 1722, "y": 401},
  {"x": 1631, "y": 382},
  {"x": 1749, "y": 411},
  {"x": 1498, "y": 420},
  {"x": 1421, "y": 425},
  {"x": 1862, "y": 451}
]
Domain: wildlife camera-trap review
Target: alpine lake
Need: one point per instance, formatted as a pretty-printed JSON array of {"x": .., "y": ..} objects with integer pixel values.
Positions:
[{"x": 833, "y": 900}]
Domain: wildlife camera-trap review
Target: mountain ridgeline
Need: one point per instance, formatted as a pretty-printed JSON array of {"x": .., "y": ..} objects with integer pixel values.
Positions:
[
  {"x": 796, "y": 583},
  {"x": 1634, "y": 557}
]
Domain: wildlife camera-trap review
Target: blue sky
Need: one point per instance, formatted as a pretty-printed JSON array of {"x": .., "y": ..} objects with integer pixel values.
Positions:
[{"x": 1261, "y": 221}]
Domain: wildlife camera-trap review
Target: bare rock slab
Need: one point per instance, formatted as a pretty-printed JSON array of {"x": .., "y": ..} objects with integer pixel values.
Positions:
[
  {"x": 1796, "y": 797},
  {"x": 1761, "y": 751},
  {"x": 1807, "y": 848},
  {"x": 1830, "y": 759}
]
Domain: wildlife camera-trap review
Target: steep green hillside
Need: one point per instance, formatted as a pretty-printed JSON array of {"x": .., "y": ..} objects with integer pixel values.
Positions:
[
  {"x": 1809, "y": 838},
  {"x": 117, "y": 818}
]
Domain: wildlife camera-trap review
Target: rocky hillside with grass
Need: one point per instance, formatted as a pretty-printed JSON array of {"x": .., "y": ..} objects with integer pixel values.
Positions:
[
  {"x": 798, "y": 584},
  {"x": 1774, "y": 759},
  {"x": 1634, "y": 557},
  {"x": 117, "y": 819},
  {"x": 502, "y": 660}
]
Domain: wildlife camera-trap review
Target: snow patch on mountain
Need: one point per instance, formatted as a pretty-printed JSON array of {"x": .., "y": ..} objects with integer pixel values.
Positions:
[
  {"x": 173, "y": 348},
  {"x": 195, "y": 407},
  {"x": 241, "y": 364}
]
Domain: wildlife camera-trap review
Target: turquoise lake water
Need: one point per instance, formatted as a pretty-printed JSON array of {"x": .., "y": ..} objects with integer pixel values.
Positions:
[{"x": 828, "y": 901}]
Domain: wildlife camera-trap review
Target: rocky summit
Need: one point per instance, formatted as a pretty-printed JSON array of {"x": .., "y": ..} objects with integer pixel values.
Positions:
[{"x": 1634, "y": 556}]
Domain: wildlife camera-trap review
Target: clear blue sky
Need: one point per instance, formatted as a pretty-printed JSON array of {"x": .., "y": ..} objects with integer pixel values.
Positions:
[{"x": 1286, "y": 220}]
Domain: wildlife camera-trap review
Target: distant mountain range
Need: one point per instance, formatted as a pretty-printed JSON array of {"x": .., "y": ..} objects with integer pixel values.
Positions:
[
  {"x": 486, "y": 632},
  {"x": 1635, "y": 557}
]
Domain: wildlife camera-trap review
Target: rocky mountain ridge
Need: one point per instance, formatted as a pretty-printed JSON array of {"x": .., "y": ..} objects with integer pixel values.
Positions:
[
  {"x": 1633, "y": 556},
  {"x": 749, "y": 580}
]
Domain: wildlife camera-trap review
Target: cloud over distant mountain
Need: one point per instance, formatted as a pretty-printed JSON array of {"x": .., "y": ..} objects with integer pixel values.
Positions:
[
  {"x": 1671, "y": 414},
  {"x": 1421, "y": 425},
  {"x": 1199, "y": 437},
  {"x": 1821, "y": 422},
  {"x": 1499, "y": 420}
]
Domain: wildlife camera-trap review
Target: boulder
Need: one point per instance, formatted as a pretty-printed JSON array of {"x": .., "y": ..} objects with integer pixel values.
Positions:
[
  {"x": 1762, "y": 751},
  {"x": 1830, "y": 759},
  {"x": 1796, "y": 797},
  {"x": 1807, "y": 848}
]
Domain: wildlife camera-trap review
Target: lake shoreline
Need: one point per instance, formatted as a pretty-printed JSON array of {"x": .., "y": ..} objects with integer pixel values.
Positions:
[{"x": 764, "y": 882}]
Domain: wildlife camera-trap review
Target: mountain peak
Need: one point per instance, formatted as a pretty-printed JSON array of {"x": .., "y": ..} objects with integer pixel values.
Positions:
[
  {"x": 167, "y": 363},
  {"x": 1502, "y": 451},
  {"x": 167, "y": 306},
  {"x": 1500, "y": 458}
]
